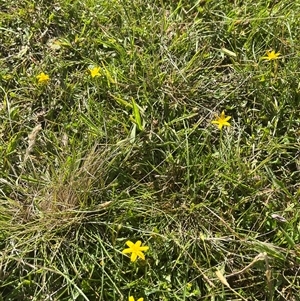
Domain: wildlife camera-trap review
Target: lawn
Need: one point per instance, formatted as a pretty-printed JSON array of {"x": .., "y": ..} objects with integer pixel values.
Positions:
[{"x": 150, "y": 150}]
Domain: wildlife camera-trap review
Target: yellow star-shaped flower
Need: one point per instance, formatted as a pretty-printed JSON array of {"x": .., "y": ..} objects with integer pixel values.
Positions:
[
  {"x": 135, "y": 249},
  {"x": 43, "y": 78},
  {"x": 271, "y": 55},
  {"x": 132, "y": 299},
  {"x": 95, "y": 71},
  {"x": 222, "y": 120}
]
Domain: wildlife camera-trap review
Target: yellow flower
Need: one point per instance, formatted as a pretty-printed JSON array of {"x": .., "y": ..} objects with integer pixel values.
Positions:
[
  {"x": 222, "y": 120},
  {"x": 132, "y": 299},
  {"x": 43, "y": 78},
  {"x": 271, "y": 55},
  {"x": 95, "y": 71},
  {"x": 135, "y": 249}
]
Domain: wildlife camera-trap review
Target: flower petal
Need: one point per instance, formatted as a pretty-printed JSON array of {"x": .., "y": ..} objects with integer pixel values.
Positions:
[
  {"x": 133, "y": 257},
  {"x": 129, "y": 243},
  {"x": 226, "y": 123},
  {"x": 138, "y": 243},
  {"x": 140, "y": 254},
  {"x": 131, "y": 298},
  {"x": 144, "y": 248},
  {"x": 140, "y": 299},
  {"x": 126, "y": 251}
]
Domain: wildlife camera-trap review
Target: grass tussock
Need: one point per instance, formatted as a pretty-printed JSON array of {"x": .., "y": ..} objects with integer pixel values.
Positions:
[{"x": 172, "y": 123}]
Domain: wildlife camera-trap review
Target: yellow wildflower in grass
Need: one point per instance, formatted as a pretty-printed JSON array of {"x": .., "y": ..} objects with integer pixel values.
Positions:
[
  {"x": 132, "y": 299},
  {"x": 135, "y": 249},
  {"x": 43, "y": 78},
  {"x": 271, "y": 55},
  {"x": 95, "y": 71},
  {"x": 222, "y": 120}
]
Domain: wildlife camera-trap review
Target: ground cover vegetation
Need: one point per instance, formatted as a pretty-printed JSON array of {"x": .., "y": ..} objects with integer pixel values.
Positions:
[{"x": 149, "y": 150}]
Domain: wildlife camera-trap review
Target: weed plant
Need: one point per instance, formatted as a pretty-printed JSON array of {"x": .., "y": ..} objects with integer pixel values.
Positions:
[{"x": 171, "y": 127}]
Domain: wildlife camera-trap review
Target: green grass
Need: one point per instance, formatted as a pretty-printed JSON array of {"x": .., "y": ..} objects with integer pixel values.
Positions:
[{"x": 90, "y": 163}]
